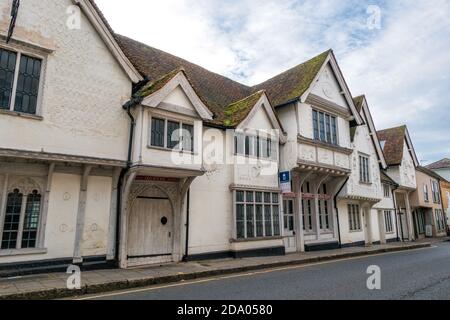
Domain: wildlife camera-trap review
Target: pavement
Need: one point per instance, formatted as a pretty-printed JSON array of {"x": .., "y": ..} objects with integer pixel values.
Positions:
[
  {"x": 54, "y": 285},
  {"x": 422, "y": 274}
]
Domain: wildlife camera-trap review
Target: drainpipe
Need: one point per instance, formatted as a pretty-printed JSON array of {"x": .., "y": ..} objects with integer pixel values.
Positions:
[
  {"x": 337, "y": 212},
  {"x": 188, "y": 215},
  {"x": 121, "y": 178},
  {"x": 396, "y": 215}
]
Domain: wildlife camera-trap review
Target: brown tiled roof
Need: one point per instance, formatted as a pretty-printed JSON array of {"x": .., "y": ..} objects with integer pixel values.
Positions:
[
  {"x": 237, "y": 111},
  {"x": 394, "y": 142},
  {"x": 216, "y": 91},
  {"x": 293, "y": 83},
  {"x": 441, "y": 164}
]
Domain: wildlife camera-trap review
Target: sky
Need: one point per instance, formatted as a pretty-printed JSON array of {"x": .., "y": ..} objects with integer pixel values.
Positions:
[{"x": 395, "y": 52}]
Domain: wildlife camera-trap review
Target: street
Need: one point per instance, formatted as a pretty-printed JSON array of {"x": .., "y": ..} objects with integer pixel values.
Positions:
[{"x": 419, "y": 274}]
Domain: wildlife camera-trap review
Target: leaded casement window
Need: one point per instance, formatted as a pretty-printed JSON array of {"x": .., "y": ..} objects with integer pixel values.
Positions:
[
  {"x": 440, "y": 220},
  {"x": 21, "y": 219},
  {"x": 172, "y": 135},
  {"x": 324, "y": 209},
  {"x": 364, "y": 172},
  {"x": 354, "y": 217},
  {"x": 288, "y": 215},
  {"x": 387, "y": 191},
  {"x": 257, "y": 214},
  {"x": 307, "y": 214},
  {"x": 435, "y": 191},
  {"x": 255, "y": 145},
  {"x": 388, "y": 222},
  {"x": 426, "y": 195},
  {"x": 325, "y": 127},
  {"x": 19, "y": 81}
]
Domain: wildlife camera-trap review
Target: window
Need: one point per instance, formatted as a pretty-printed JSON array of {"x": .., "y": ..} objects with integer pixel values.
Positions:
[
  {"x": 354, "y": 217},
  {"x": 19, "y": 81},
  {"x": 324, "y": 127},
  {"x": 288, "y": 216},
  {"x": 324, "y": 210},
  {"x": 440, "y": 222},
  {"x": 257, "y": 214},
  {"x": 435, "y": 191},
  {"x": 171, "y": 134},
  {"x": 388, "y": 221},
  {"x": 364, "y": 174},
  {"x": 387, "y": 191},
  {"x": 307, "y": 209},
  {"x": 255, "y": 146},
  {"x": 426, "y": 195},
  {"x": 21, "y": 221},
  {"x": 421, "y": 222}
]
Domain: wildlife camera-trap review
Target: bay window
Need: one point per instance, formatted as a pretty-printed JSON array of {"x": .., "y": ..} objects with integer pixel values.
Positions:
[
  {"x": 324, "y": 127},
  {"x": 172, "y": 135},
  {"x": 257, "y": 214}
]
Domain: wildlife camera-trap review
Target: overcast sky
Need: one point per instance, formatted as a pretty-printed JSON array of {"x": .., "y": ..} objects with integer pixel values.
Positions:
[{"x": 401, "y": 63}]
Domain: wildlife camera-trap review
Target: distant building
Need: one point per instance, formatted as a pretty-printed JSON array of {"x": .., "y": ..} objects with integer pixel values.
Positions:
[{"x": 442, "y": 168}]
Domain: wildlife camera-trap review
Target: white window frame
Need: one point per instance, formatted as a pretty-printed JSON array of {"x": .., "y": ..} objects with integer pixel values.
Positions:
[
  {"x": 426, "y": 194},
  {"x": 364, "y": 169},
  {"x": 19, "y": 52},
  {"x": 354, "y": 225},
  {"x": 245, "y": 203},
  {"x": 388, "y": 221},
  {"x": 181, "y": 143},
  {"x": 239, "y": 142},
  {"x": 334, "y": 136}
]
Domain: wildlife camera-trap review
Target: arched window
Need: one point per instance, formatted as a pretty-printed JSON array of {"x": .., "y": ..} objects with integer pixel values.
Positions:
[
  {"x": 30, "y": 225},
  {"x": 12, "y": 220},
  {"x": 20, "y": 227}
]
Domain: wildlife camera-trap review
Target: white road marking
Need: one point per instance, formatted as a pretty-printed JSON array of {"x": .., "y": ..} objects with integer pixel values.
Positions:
[{"x": 240, "y": 275}]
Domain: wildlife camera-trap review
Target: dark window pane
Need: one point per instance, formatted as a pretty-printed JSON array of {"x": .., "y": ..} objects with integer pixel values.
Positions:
[
  {"x": 249, "y": 196},
  {"x": 240, "y": 221},
  {"x": 250, "y": 221},
  {"x": 157, "y": 138},
  {"x": 31, "y": 221},
  {"x": 12, "y": 220},
  {"x": 268, "y": 220},
  {"x": 259, "y": 221},
  {"x": 276, "y": 221},
  {"x": 28, "y": 85},
  {"x": 316, "y": 124},
  {"x": 7, "y": 69},
  {"x": 173, "y": 135},
  {"x": 188, "y": 137},
  {"x": 328, "y": 125},
  {"x": 322, "y": 126},
  {"x": 334, "y": 130},
  {"x": 239, "y": 196}
]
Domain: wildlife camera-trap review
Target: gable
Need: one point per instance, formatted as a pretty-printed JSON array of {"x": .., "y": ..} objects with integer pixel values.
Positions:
[
  {"x": 328, "y": 87},
  {"x": 179, "y": 100},
  {"x": 259, "y": 119}
]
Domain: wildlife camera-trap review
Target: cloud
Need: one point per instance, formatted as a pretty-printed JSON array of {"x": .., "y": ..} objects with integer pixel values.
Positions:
[{"x": 403, "y": 67}]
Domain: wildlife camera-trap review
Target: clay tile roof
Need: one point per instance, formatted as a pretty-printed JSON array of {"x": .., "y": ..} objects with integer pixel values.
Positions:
[
  {"x": 293, "y": 83},
  {"x": 394, "y": 139},
  {"x": 441, "y": 164},
  {"x": 237, "y": 111},
  {"x": 358, "y": 102}
]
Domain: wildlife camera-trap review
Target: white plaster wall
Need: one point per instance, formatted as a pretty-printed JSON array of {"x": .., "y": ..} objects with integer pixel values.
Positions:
[
  {"x": 95, "y": 235},
  {"x": 347, "y": 236},
  {"x": 83, "y": 87},
  {"x": 363, "y": 145},
  {"x": 288, "y": 151},
  {"x": 305, "y": 121},
  {"x": 407, "y": 169},
  {"x": 327, "y": 87}
]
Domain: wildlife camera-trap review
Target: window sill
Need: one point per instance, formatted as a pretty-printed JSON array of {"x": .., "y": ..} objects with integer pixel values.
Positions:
[
  {"x": 365, "y": 183},
  {"x": 355, "y": 231},
  {"x": 22, "y": 252},
  {"x": 21, "y": 115},
  {"x": 172, "y": 150},
  {"x": 390, "y": 232},
  {"x": 256, "y": 239}
]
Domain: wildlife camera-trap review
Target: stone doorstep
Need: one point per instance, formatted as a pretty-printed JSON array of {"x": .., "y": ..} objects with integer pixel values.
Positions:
[{"x": 145, "y": 281}]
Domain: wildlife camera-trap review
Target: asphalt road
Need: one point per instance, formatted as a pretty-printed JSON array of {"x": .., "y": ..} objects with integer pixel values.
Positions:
[{"x": 419, "y": 274}]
